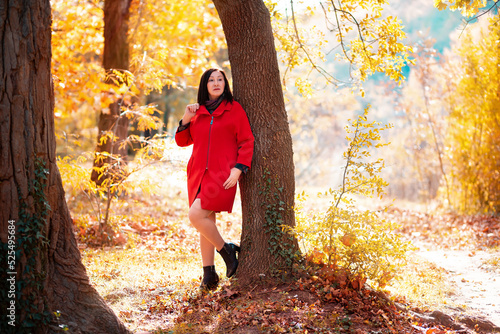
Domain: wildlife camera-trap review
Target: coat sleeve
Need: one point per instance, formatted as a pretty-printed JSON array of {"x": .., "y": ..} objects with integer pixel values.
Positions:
[
  {"x": 183, "y": 137},
  {"x": 244, "y": 138}
]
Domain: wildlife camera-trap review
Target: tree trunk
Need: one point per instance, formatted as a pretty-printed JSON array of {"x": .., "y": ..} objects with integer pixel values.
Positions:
[
  {"x": 115, "y": 57},
  {"x": 268, "y": 190},
  {"x": 46, "y": 273}
]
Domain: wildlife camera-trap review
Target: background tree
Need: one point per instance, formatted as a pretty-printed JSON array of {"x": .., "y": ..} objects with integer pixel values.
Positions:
[
  {"x": 473, "y": 104},
  {"x": 173, "y": 49},
  {"x": 421, "y": 126},
  {"x": 115, "y": 59},
  {"x": 425, "y": 57},
  {"x": 48, "y": 264}
]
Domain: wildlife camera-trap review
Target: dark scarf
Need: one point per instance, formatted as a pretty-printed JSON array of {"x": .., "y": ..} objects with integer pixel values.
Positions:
[{"x": 211, "y": 105}]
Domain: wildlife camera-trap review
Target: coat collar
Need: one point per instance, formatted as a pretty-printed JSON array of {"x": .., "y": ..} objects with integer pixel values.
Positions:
[{"x": 224, "y": 106}]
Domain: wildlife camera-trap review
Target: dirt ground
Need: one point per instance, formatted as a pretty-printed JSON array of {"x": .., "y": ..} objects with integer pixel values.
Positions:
[
  {"x": 477, "y": 291},
  {"x": 467, "y": 249}
]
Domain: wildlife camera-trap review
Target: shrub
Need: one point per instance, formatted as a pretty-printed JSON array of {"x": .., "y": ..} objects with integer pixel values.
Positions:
[{"x": 347, "y": 241}]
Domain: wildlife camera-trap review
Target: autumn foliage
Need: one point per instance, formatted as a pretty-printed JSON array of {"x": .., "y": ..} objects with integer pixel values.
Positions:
[
  {"x": 473, "y": 136},
  {"x": 165, "y": 51}
]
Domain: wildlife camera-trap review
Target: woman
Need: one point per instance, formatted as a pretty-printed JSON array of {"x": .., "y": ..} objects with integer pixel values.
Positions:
[{"x": 218, "y": 128}]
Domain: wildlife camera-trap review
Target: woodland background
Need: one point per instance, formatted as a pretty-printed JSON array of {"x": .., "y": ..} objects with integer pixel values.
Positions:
[{"x": 427, "y": 110}]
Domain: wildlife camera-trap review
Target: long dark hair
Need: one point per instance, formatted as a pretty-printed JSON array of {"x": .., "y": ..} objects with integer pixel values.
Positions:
[{"x": 203, "y": 90}]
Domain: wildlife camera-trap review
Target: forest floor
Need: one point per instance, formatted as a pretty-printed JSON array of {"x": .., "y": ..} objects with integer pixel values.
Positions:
[
  {"x": 466, "y": 248},
  {"x": 150, "y": 277}
]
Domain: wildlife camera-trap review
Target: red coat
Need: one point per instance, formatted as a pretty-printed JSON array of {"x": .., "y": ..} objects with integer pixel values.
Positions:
[{"x": 220, "y": 141}]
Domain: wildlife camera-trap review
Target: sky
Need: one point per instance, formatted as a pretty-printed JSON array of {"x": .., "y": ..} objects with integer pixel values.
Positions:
[{"x": 421, "y": 15}]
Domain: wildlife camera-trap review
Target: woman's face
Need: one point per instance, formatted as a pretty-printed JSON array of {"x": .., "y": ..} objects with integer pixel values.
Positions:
[{"x": 215, "y": 85}]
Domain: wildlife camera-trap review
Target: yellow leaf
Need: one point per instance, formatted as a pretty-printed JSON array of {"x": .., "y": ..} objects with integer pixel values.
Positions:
[{"x": 439, "y": 4}]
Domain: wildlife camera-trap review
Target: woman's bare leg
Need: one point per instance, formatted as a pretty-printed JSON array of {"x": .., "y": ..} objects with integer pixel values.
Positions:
[
  {"x": 207, "y": 249},
  {"x": 204, "y": 222}
]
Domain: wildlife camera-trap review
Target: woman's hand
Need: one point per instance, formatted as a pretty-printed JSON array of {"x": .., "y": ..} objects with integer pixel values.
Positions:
[
  {"x": 232, "y": 179},
  {"x": 190, "y": 112}
]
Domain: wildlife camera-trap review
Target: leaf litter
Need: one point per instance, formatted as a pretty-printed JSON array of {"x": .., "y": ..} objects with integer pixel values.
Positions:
[{"x": 151, "y": 281}]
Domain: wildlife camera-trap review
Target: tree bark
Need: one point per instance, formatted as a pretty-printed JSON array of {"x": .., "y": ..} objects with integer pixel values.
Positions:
[
  {"x": 115, "y": 57},
  {"x": 268, "y": 190},
  {"x": 47, "y": 265}
]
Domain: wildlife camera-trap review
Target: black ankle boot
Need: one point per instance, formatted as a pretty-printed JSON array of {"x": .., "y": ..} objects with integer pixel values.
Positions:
[
  {"x": 228, "y": 253},
  {"x": 210, "y": 278},
  {"x": 235, "y": 247}
]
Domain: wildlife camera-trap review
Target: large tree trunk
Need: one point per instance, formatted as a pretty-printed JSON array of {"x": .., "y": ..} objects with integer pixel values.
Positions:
[
  {"x": 47, "y": 268},
  {"x": 115, "y": 57},
  {"x": 268, "y": 190}
]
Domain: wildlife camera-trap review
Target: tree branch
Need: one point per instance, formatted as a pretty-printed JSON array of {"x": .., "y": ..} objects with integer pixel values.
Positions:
[
  {"x": 320, "y": 70},
  {"x": 476, "y": 17}
]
